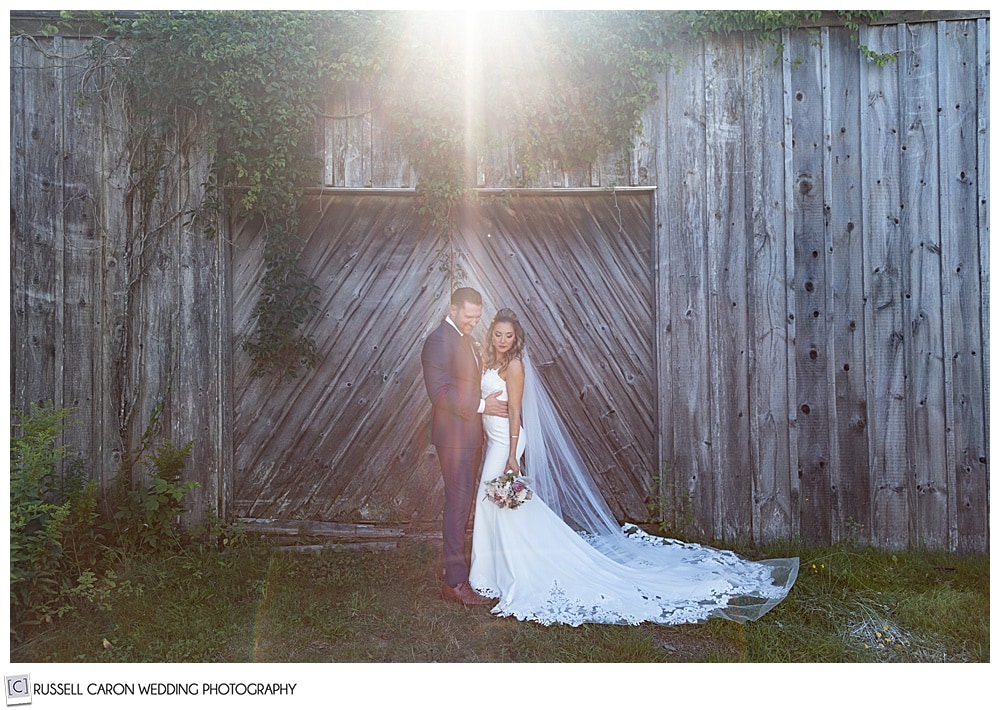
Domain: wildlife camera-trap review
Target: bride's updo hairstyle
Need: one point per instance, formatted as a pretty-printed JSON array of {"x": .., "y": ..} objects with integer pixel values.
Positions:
[{"x": 504, "y": 315}]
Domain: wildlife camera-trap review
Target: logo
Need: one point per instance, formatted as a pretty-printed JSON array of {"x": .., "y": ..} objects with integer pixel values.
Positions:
[{"x": 18, "y": 690}]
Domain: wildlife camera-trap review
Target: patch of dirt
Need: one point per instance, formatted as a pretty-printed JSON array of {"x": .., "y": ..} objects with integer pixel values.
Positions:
[{"x": 681, "y": 646}]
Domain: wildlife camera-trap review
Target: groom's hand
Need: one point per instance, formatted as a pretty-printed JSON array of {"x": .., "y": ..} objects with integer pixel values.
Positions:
[{"x": 494, "y": 406}]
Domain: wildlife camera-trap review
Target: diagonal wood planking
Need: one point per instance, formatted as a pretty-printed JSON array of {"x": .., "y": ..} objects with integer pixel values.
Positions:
[{"x": 348, "y": 441}]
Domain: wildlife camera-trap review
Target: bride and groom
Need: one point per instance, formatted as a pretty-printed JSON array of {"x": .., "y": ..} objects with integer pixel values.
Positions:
[{"x": 560, "y": 556}]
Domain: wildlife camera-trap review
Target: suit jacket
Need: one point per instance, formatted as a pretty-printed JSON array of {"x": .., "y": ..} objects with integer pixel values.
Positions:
[{"x": 452, "y": 378}]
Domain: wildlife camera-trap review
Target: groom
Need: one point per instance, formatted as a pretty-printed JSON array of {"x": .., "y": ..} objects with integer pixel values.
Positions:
[{"x": 452, "y": 375}]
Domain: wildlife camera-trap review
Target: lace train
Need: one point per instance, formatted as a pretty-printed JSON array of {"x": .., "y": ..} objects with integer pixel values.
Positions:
[{"x": 543, "y": 570}]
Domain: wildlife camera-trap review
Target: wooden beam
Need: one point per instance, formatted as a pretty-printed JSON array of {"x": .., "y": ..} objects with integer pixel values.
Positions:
[{"x": 315, "y": 528}]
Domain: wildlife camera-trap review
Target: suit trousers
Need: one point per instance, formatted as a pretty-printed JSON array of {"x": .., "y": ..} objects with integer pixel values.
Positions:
[{"x": 458, "y": 466}]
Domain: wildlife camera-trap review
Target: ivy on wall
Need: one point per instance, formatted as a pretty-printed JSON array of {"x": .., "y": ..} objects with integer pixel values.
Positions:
[
  {"x": 254, "y": 79},
  {"x": 562, "y": 87}
]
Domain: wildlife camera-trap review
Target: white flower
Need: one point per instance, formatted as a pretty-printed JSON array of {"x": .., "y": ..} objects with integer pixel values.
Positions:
[{"x": 508, "y": 490}]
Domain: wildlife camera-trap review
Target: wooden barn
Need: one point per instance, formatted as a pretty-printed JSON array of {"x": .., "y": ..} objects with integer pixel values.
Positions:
[{"x": 770, "y": 321}]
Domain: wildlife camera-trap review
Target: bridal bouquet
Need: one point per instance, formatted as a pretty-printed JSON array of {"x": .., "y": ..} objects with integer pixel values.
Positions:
[{"x": 508, "y": 491}]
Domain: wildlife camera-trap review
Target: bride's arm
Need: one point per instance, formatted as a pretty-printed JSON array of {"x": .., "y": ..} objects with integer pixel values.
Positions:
[{"x": 515, "y": 393}]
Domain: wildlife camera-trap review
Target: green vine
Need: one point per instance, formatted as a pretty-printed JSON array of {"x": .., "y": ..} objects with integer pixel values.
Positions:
[
  {"x": 254, "y": 80},
  {"x": 563, "y": 88},
  {"x": 768, "y": 23}
]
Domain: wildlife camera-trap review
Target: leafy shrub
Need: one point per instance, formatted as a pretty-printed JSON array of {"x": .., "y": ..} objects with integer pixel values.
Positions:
[
  {"x": 147, "y": 516},
  {"x": 62, "y": 543},
  {"x": 53, "y": 510},
  {"x": 215, "y": 534}
]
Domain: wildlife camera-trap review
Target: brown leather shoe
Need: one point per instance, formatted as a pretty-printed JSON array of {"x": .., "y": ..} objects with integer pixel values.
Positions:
[{"x": 464, "y": 594}]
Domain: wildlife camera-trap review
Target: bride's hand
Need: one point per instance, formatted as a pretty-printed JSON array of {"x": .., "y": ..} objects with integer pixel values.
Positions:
[{"x": 513, "y": 467}]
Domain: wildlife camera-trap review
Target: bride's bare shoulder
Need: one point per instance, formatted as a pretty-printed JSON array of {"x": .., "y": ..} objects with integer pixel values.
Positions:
[{"x": 515, "y": 367}]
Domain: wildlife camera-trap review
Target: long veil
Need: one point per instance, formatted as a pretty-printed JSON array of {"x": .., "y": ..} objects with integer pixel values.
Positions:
[{"x": 560, "y": 478}]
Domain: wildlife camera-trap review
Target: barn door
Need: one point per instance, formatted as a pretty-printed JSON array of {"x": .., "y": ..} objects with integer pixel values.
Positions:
[{"x": 349, "y": 440}]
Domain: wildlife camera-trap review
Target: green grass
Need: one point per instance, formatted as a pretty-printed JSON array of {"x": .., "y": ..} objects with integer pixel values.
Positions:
[{"x": 261, "y": 604}]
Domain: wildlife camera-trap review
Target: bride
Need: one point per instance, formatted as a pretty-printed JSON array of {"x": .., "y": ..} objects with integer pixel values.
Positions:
[{"x": 556, "y": 554}]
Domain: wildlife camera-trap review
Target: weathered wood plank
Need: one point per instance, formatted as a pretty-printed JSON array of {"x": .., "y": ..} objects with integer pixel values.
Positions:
[
  {"x": 958, "y": 128},
  {"x": 196, "y": 383},
  {"x": 18, "y": 224},
  {"x": 769, "y": 322},
  {"x": 813, "y": 348},
  {"x": 57, "y": 73},
  {"x": 727, "y": 288},
  {"x": 694, "y": 495},
  {"x": 224, "y": 409},
  {"x": 348, "y": 143},
  {"x": 37, "y": 172},
  {"x": 833, "y": 465},
  {"x": 983, "y": 155},
  {"x": 846, "y": 269},
  {"x": 787, "y": 197},
  {"x": 921, "y": 282},
  {"x": 80, "y": 253},
  {"x": 499, "y": 167},
  {"x": 114, "y": 225},
  {"x": 655, "y": 122},
  {"x": 152, "y": 267},
  {"x": 389, "y": 165},
  {"x": 951, "y": 455},
  {"x": 318, "y": 528},
  {"x": 884, "y": 259}
]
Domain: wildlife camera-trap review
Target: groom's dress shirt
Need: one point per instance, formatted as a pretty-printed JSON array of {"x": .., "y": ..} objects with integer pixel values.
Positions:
[{"x": 465, "y": 338}]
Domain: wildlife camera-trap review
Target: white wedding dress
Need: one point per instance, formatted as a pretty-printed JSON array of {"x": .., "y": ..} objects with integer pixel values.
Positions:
[{"x": 542, "y": 569}]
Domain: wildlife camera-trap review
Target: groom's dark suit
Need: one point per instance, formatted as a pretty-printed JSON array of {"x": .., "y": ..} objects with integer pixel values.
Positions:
[{"x": 451, "y": 375}]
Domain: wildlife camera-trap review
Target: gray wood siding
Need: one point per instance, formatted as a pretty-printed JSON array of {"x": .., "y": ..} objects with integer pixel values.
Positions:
[
  {"x": 117, "y": 307},
  {"x": 783, "y": 329},
  {"x": 863, "y": 197}
]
